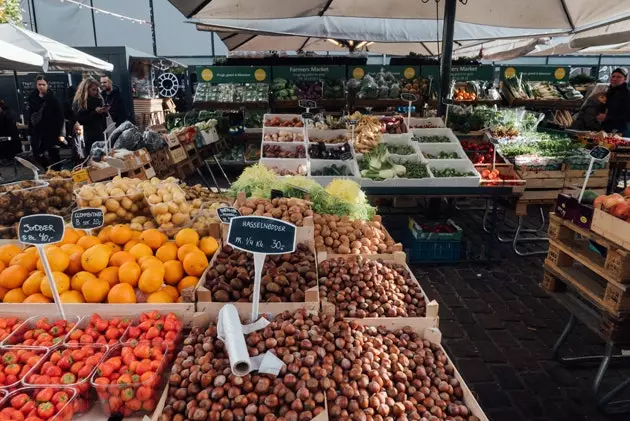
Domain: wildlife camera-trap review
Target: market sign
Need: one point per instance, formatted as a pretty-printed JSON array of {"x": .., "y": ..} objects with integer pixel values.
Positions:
[
  {"x": 313, "y": 73},
  {"x": 536, "y": 73},
  {"x": 400, "y": 72},
  {"x": 233, "y": 74},
  {"x": 463, "y": 73},
  {"x": 259, "y": 234}
]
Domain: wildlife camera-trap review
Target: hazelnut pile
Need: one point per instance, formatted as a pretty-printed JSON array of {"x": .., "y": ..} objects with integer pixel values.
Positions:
[
  {"x": 361, "y": 373},
  {"x": 286, "y": 277},
  {"x": 341, "y": 235},
  {"x": 287, "y": 209},
  {"x": 370, "y": 288}
]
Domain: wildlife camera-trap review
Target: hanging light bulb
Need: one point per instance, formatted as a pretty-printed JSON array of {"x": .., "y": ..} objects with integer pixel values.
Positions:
[{"x": 334, "y": 41}]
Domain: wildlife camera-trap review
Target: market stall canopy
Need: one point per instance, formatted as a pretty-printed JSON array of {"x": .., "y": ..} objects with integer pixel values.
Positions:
[
  {"x": 548, "y": 15},
  {"x": 606, "y": 35},
  {"x": 499, "y": 50},
  {"x": 56, "y": 56},
  {"x": 19, "y": 60}
]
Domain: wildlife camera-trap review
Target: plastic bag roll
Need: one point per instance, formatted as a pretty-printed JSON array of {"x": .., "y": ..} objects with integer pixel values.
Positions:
[{"x": 230, "y": 331}]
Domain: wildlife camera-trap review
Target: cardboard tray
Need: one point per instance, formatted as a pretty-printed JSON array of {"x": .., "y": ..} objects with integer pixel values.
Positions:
[{"x": 612, "y": 228}]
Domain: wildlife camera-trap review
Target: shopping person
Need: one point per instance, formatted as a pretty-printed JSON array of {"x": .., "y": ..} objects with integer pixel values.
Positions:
[
  {"x": 617, "y": 115},
  {"x": 10, "y": 144},
  {"x": 45, "y": 123},
  {"x": 112, "y": 96},
  {"x": 90, "y": 111}
]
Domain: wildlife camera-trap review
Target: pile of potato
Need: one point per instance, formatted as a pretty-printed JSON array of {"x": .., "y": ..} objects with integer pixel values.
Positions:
[
  {"x": 120, "y": 199},
  {"x": 167, "y": 203},
  {"x": 287, "y": 209},
  {"x": 341, "y": 235}
]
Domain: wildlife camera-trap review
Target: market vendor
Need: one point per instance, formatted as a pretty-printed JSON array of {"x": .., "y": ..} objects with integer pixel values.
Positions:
[{"x": 617, "y": 114}]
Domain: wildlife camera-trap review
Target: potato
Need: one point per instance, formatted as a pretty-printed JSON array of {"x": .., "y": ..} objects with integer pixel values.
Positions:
[{"x": 112, "y": 205}]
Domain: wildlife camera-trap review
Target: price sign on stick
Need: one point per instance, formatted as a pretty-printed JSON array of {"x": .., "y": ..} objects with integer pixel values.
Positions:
[
  {"x": 226, "y": 214},
  {"x": 40, "y": 230},
  {"x": 307, "y": 103},
  {"x": 87, "y": 218},
  {"x": 352, "y": 124},
  {"x": 307, "y": 116},
  {"x": 409, "y": 98},
  {"x": 598, "y": 153},
  {"x": 261, "y": 236}
]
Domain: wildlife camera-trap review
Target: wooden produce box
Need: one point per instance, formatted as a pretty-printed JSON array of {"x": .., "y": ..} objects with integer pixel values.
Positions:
[
  {"x": 431, "y": 318},
  {"x": 612, "y": 228},
  {"x": 542, "y": 185},
  {"x": 100, "y": 174},
  {"x": 575, "y": 178},
  {"x": 517, "y": 184}
]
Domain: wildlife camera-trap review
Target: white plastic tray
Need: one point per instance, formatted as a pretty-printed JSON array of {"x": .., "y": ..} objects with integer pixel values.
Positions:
[
  {"x": 327, "y": 134},
  {"x": 316, "y": 164},
  {"x": 281, "y": 117},
  {"x": 436, "y": 122},
  {"x": 436, "y": 132},
  {"x": 400, "y": 139},
  {"x": 272, "y": 130},
  {"x": 292, "y": 146},
  {"x": 459, "y": 165},
  {"x": 436, "y": 148},
  {"x": 285, "y": 163}
]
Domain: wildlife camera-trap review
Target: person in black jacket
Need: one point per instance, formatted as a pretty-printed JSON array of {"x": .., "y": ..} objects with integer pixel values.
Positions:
[
  {"x": 112, "y": 96},
  {"x": 617, "y": 114},
  {"x": 90, "y": 111},
  {"x": 45, "y": 123},
  {"x": 8, "y": 129}
]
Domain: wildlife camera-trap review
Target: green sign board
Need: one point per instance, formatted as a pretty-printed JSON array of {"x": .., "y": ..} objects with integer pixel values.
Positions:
[
  {"x": 399, "y": 72},
  {"x": 309, "y": 73},
  {"x": 536, "y": 73},
  {"x": 461, "y": 73},
  {"x": 233, "y": 74}
]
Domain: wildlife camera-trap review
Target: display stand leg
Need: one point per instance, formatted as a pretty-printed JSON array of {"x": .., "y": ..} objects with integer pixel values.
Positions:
[
  {"x": 603, "y": 402},
  {"x": 524, "y": 231},
  {"x": 493, "y": 230},
  {"x": 212, "y": 175},
  {"x": 200, "y": 173}
]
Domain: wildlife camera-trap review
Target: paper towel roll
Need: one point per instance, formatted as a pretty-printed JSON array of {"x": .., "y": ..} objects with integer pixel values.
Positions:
[{"x": 230, "y": 331}]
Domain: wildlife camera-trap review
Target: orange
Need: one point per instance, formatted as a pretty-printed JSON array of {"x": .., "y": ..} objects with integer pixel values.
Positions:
[
  {"x": 120, "y": 234},
  {"x": 152, "y": 238},
  {"x": 88, "y": 241},
  {"x": 13, "y": 277},
  {"x": 57, "y": 259},
  {"x": 71, "y": 297},
  {"x": 120, "y": 257},
  {"x": 151, "y": 280},
  {"x": 28, "y": 260},
  {"x": 16, "y": 295},
  {"x": 187, "y": 282},
  {"x": 8, "y": 252},
  {"x": 130, "y": 244},
  {"x": 129, "y": 273},
  {"x": 95, "y": 290},
  {"x": 140, "y": 250},
  {"x": 109, "y": 274},
  {"x": 96, "y": 258},
  {"x": 135, "y": 235},
  {"x": 32, "y": 284},
  {"x": 104, "y": 234},
  {"x": 185, "y": 249},
  {"x": 187, "y": 236},
  {"x": 115, "y": 247},
  {"x": 159, "y": 297},
  {"x": 37, "y": 299},
  {"x": 208, "y": 245},
  {"x": 75, "y": 263},
  {"x": 70, "y": 236},
  {"x": 167, "y": 252},
  {"x": 2, "y": 266},
  {"x": 61, "y": 281},
  {"x": 195, "y": 263},
  {"x": 173, "y": 272},
  {"x": 150, "y": 261},
  {"x": 172, "y": 291},
  {"x": 31, "y": 250},
  {"x": 77, "y": 281},
  {"x": 71, "y": 248},
  {"x": 3, "y": 292},
  {"x": 121, "y": 294}
]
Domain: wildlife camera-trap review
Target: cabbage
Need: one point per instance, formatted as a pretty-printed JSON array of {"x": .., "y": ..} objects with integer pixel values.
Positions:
[{"x": 347, "y": 190}]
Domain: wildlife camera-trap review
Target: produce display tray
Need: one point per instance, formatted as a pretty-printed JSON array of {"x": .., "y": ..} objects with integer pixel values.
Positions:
[
  {"x": 316, "y": 164},
  {"x": 312, "y": 133},
  {"x": 457, "y": 164},
  {"x": 436, "y": 148},
  {"x": 436, "y": 132},
  {"x": 425, "y": 123},
  {"x": 291, "y": 164}
]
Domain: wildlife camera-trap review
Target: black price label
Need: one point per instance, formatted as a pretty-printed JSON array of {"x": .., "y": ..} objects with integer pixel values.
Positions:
[
  {"x": 307, "y": 103},
  {"x": 276, "y": 193},
  {"x": 346, "y": 156},
  {"x": 41, "y": 229},
  {"x": 408, "y": 97},
  {"x": 307, "y": 116},
  {"x": 87, "y": 218},
  {"x": 599, "y": 152},
  {"x": 227, "y": 213},
  {"x": 259, "y": 234},
  {"x": 352, "y": 122}
]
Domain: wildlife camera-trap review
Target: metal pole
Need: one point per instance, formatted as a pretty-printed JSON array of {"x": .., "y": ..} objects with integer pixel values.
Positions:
[
  {"x": 93, "y": 24},
  {"x": 450, "y": 7},
  {"x": 152, "y": 12}
]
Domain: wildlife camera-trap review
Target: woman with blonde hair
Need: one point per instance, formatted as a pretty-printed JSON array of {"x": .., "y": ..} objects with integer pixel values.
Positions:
[{"x": 90, "y": 111}]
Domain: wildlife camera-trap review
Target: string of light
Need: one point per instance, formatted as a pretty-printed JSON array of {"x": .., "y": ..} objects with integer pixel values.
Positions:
[{"x": 106, "y": 12}]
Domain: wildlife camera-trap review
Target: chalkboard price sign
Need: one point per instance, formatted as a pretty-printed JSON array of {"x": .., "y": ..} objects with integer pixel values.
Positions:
[
  {"x": 226, "y": 214},
  {"x": 87, "y": 218},
  {"x": 41, "y": 229},
  {"x": 599, "y": 152},
  {"x": 352, "y": 122},
  {"x": 346, "y": 156},
  {"x": 259, "y": 234},
  {"x": 307, "y": 103},
  {"x": 307, "y": 116},
  {"x": 408, "y": 97}
]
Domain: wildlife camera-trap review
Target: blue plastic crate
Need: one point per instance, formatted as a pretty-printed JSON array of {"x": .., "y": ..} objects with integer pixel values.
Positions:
[{"x": 419, "y": 250}]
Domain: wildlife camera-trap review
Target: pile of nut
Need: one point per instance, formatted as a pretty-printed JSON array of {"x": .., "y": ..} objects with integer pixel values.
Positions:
[
  {"x": 63, "y": 188},
  {"x": 24, "y": 198},
  {"x": 200, "y": 192},
  {"x": 370, "y": 288},
  {"x": 361, "y": 373},
  {"x": 284, "y": 136},
  {"x": 285, "y": 278},
  {"x": 281, "y": 151},
  {"x": 341, "y": 235},
  {"x": 287, "y": 209}
]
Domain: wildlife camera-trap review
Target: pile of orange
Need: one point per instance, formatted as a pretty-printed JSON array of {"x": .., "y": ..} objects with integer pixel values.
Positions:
[{"x": 116, "y": 266}]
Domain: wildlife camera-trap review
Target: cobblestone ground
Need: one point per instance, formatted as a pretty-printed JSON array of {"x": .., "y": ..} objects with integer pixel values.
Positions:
[{"x": 499, "y": 327}]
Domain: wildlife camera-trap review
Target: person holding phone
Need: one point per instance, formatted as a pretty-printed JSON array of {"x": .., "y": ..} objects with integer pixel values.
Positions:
[
  {"x": 114, "y": 99},
  {"x": 91, "y": 112},
  {"x": 617, "y": 115}
]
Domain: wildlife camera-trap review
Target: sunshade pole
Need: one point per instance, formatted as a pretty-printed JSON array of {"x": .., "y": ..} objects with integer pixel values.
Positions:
[
  {"x": 450, "y": 7},
  {"x": 18, "y": 92}
]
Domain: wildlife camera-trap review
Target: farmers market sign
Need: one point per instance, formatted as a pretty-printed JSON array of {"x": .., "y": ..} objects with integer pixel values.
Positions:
[
  {"x": 309, "y": 73},
  {"x": 536, "y": 73},
  {"x": 233, "y": 74},
  {"x": 400, "y": 72},
  {"x": 462, "y": 73}
]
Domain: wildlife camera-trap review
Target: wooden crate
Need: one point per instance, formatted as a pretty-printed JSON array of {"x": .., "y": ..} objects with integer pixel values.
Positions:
[
  {"x": 177, "y": 153},
  {"x": 144, "y": 172},
  {"x": 183, "y": 169},
  {"x": 162, "y": 164},
  {"x": 612, "y": 228}
]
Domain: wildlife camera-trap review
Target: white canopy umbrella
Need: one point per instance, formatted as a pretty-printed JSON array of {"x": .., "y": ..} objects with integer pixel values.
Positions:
[
  {"x": 56, "y": 56},
  {"x": 606, "y": 35},
  {"x": 19, "y": 60}
]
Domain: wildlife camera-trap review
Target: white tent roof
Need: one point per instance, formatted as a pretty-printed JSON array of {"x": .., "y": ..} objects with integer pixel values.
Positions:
[
  {"x": 610, "y": 34},
  {"x": 56, "y": 56},
  {"x": 19, "y": 60},
  {"x": 550, "y": 15}
]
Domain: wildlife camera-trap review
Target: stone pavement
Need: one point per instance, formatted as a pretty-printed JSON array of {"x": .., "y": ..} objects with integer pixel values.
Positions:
[{"x": 499, "y": 327}]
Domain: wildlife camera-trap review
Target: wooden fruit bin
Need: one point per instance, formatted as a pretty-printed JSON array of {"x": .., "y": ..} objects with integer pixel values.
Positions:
[{"x": 517, "y": 184}]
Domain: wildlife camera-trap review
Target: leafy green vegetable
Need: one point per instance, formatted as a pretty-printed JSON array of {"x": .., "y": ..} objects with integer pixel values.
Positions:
[
  {"x": 401, "y": 149},
  {"x": 430, "y": 139}
]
